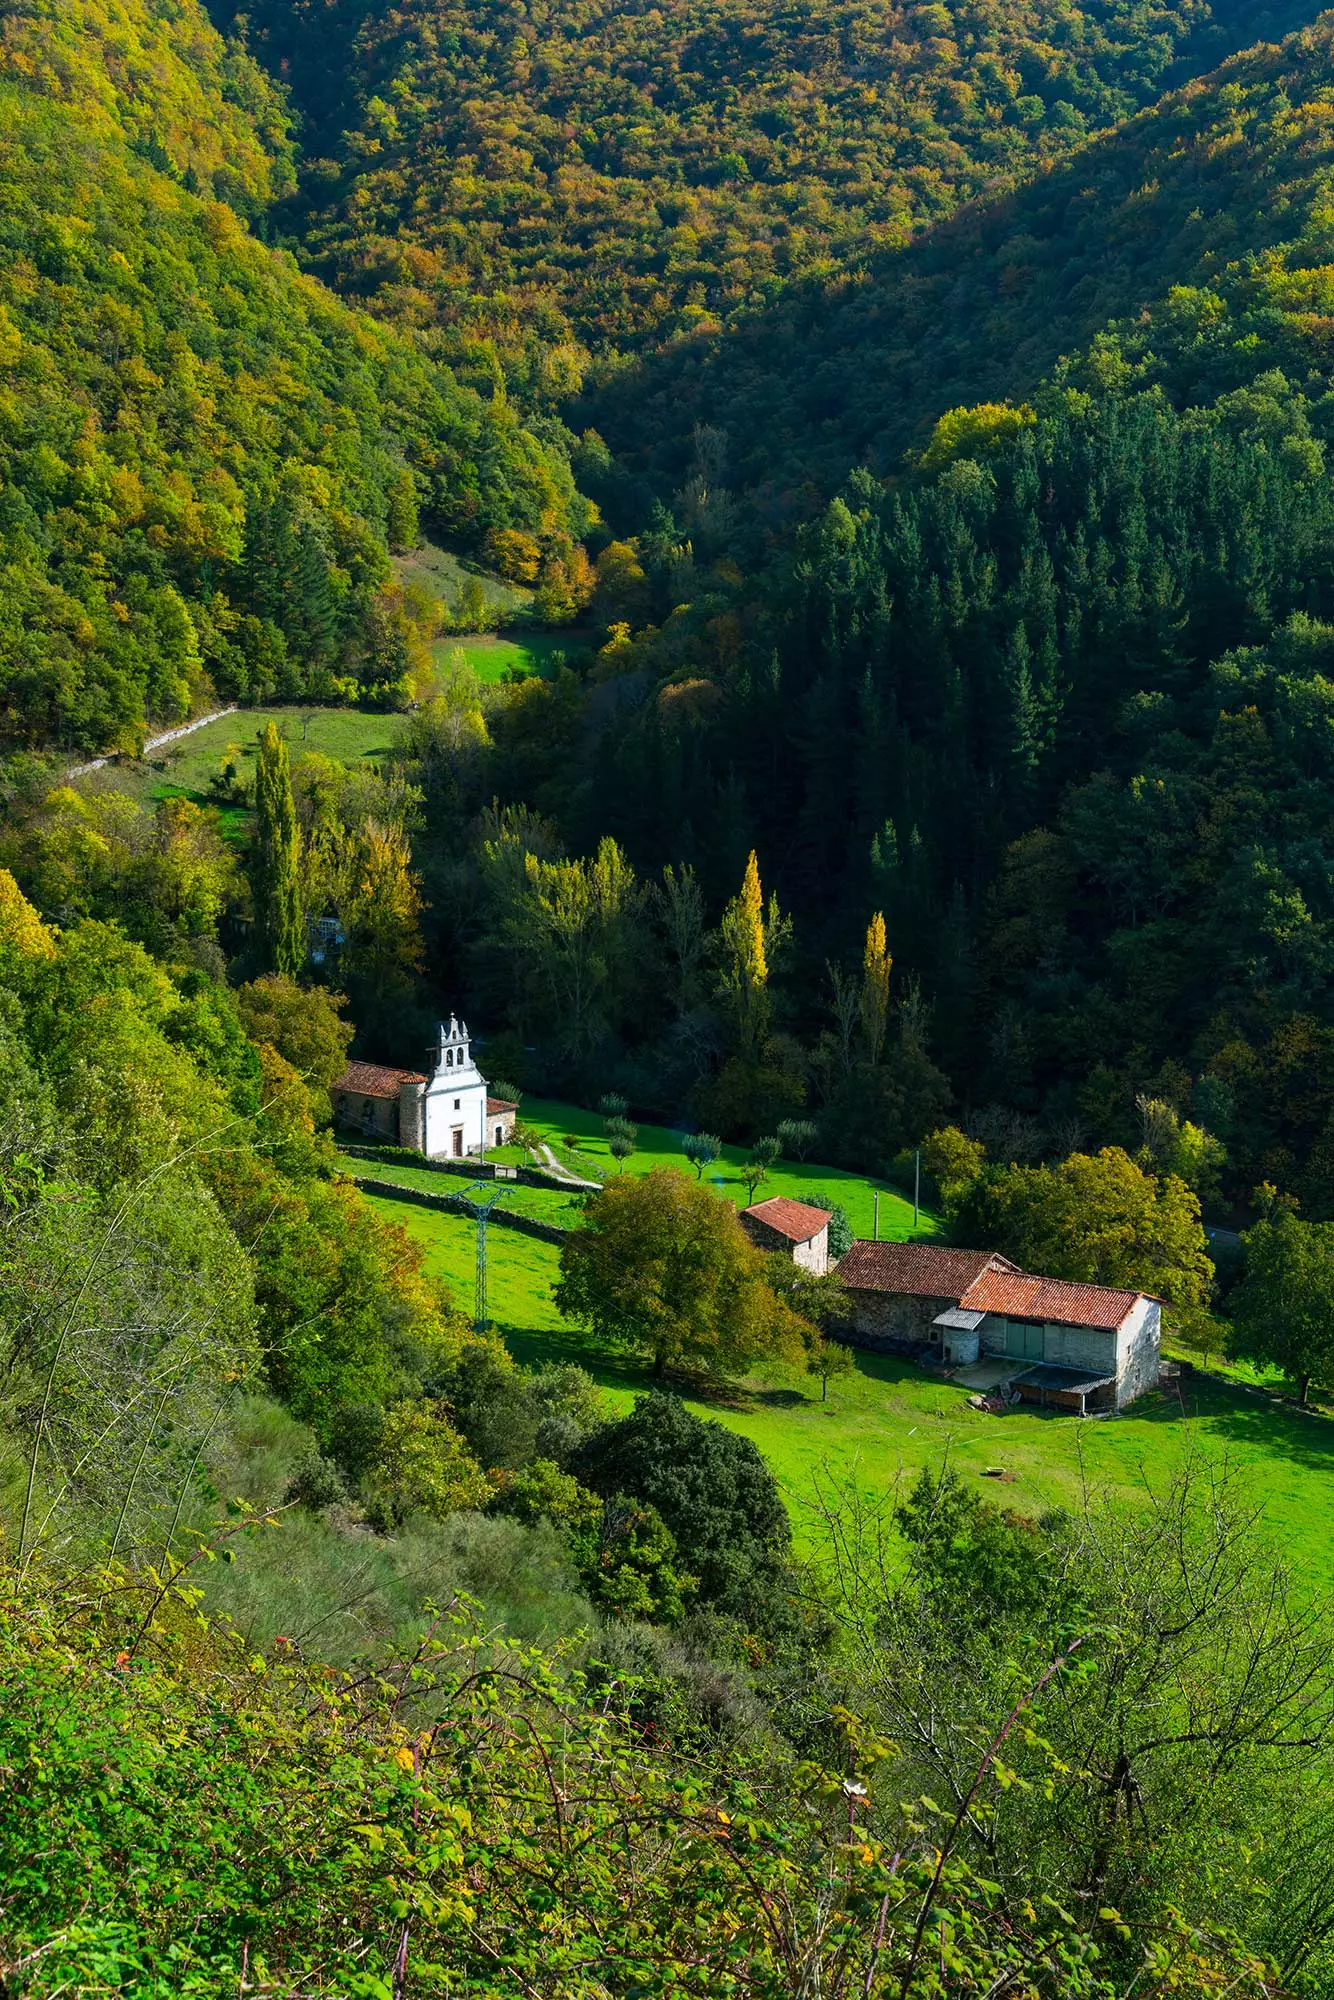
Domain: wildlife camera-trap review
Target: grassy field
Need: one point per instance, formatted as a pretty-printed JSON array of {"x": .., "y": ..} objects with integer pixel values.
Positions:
[
  {"x": 345, "y": 734},
  {"x": 656, "y": 1147},
  {"x": 884, "y": 1423},
  {"x": 492, "y": 657},
  {"x": 442, "y": 574},
  {"x": 541, "y": 1204}
]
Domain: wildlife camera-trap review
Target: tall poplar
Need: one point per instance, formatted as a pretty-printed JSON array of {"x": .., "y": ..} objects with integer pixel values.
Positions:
[
  {"x": 750, "y": 934},
  {"x": 876, "y": 964},
  {"x": 275, "y": 862}
]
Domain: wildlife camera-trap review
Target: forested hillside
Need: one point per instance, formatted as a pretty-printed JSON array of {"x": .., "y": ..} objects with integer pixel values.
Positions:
[
  {"x": 1224, "y": 185},
  {"x": 204, "y": 457},
  {"x": 534, "y": 184},
  {"x": 927, "y": 770}
]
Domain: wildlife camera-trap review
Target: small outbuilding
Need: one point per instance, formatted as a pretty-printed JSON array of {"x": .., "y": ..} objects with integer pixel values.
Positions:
[{"x": 793, "y": 1228}]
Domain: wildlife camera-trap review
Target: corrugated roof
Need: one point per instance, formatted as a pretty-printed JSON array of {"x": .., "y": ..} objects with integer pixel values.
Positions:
[
  {"x": 922, "y": 1270},
  {"x": 796, "y": 1220},
  {"x": 374, "y": 1080},
  {"x": 1053, "y": 1299}
]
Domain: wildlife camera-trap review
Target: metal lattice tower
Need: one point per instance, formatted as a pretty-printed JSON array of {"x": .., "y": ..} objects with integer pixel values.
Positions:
[{"x": 481, "y": 1210}]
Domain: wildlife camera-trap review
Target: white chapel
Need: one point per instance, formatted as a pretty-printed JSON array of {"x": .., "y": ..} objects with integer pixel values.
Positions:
[{"x": 449, "y": 1115}]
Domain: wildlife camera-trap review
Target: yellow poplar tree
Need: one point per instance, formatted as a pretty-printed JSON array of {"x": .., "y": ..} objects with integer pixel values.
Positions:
[
  {"x": 876, "y": 967},
  {"x": 750, "y": 935}
]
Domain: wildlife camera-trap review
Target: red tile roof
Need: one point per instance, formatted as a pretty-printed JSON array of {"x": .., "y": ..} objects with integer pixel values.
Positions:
[
  {"x": 497, "y": 1104},
  {"x": 923, "y": 1270},
  {"x": 1048, "y": 1299},
  {"x": 373, "y": 1080},
  {"x": 796, "y": 1220}
]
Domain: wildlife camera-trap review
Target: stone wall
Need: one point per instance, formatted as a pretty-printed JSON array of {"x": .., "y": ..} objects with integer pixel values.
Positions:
[
  {"x": 472, "y": 1170},
  {"x": 350, "y": 1115},
  {"x": 502, "y": 1218},
  {"x": 1139, "y": 1352},
  {"x": 882, "y": 1319}
]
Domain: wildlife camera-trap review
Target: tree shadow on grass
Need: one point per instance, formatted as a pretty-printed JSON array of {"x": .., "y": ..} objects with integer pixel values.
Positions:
[{"x": 1256, "y": 1419}]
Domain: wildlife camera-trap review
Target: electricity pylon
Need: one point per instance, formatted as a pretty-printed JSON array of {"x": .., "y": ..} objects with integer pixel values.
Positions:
[{"x": 481, "y": 1210}]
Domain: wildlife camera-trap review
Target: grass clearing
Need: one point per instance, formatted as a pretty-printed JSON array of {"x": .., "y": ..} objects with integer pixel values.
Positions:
[
  {"x": 886, "y": 1421},
  {"x": 347, "y": 735},
  {"x": 551, "y": 1205},
  {"x": 656, "y": 1146},
  {"x": 442, "y": 574},
  {"x": 492, "y": 657}
]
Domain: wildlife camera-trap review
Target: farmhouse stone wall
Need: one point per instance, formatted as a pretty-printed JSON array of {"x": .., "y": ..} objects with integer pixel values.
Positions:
[
  {"x": 1139, "y": 1352},
  {"x": 891, "y": 1319}
]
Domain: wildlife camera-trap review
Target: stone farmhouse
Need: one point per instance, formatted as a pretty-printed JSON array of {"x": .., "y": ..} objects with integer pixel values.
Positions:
[
  {"x": 1086, "y": 1348},
  {"x": 449, "y": 1115},
  {"x": 794, "y": 1228}
]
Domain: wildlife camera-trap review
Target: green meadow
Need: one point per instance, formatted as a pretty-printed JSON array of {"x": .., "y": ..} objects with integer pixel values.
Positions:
[
  {"x": 575, "y": 1136},
  {"x": 882, "y": 1424}
]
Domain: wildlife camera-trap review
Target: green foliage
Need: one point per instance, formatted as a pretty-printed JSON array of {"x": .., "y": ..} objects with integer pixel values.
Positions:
[
  {"x": 276, "y": 861},
  {"x": 972, "y": 1560},
  {"x": 713, "y": 157},
  {"x": 199, "y": 446},
  {"x": 796, "y": 1136},
  {"x": 1096, "y": 1219},
  {"x": 831, "y": 1361},
  {"x": 701, "y": 1149},
  {"x": 715, "y": 1494},
  {"x": 841, "y": 1233},
  {"x": 223, "y": 1811},
  {"x": 422, "y": 1465},
  {"x": 1283, "y": 1311}
]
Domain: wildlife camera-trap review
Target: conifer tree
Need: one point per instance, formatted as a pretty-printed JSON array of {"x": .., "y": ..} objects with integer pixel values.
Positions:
[{"x": 276, "y": 859}]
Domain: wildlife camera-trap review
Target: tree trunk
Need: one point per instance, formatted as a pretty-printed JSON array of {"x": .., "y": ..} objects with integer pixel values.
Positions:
[{"x": 1305, "y": 1390}]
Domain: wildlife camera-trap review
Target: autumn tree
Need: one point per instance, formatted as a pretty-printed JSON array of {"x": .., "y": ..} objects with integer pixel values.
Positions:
[
  {"x": 751, "y": 937},
  {"x": 306, "y": 1027},
  {"x": 876, "y": 965},
  {"x": 663, "y": 1268},
  {"x": 276, "y": 859}
]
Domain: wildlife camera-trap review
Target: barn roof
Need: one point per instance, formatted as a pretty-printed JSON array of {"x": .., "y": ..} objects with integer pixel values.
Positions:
[
  {"x": 1051, "y": 1299},
  {"x": 374, "y": 1080},
  {"x": 922, "y": 1270},
  {"x": 796, "y": 1220}
]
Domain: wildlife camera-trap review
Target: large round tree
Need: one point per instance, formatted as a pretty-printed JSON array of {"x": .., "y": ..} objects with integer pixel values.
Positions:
[{"x": 663, "y": 1267}]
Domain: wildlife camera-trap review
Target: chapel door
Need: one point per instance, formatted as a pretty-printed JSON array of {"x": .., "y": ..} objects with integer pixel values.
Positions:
[{"x": 458, "y": 1142}]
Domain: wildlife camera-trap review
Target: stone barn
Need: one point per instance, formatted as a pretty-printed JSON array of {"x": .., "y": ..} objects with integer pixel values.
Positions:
[
  {"x": 1075, "y": 1347},
  {"x": 1083, "y": 1348},
  {"x": 896, "y": 1291},
  {"x": 793, "y": 1228}
]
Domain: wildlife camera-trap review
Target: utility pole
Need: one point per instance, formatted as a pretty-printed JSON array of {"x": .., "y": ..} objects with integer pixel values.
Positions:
[{"x": 916, "y": 1186}]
